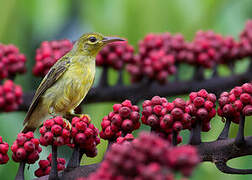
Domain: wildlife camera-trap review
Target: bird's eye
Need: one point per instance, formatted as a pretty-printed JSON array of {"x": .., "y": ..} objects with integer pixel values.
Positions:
[{"x": 92, "y": 39}]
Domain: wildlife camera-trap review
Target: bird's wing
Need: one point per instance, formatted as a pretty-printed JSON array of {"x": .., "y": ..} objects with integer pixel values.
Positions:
[{"x": 51, "y": 77}]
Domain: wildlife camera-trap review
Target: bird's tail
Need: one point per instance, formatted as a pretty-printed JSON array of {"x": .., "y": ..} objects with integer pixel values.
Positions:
[
  {"x": 27, "y": 129},
  {"x": 37, "y": 117}
]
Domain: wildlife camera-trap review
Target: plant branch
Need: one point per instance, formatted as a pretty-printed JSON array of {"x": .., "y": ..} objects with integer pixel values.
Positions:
[
  {"x": 195, "y": 134},
  {"x": 225, "y": 131},
  {"x": 75, "y": 159},
  {"x": 239, "y": 140},
  {"x": 220, "y": 151},
  {"x": 139, "y": 91},
  {"x": 174, "y": 138},
  {"x": 20, "y": 173},
  {"x": 104, "y": 77},
  {"x": 54, "y": 172}
]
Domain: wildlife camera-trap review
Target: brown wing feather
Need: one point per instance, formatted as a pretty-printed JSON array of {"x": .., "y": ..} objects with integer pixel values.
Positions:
[{"x": 52, "y": 76}]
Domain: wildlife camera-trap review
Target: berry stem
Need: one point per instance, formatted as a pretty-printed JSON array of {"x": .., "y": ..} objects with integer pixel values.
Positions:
[
  {"x": 74, "y": 160},
  {"x": 54, "y": 173},
  {"x": 199, "y": 73},
  {"x": 239, "y": 140},
  {"x": 231, "y": 66},
  {"x": 177, "y": 72},
  {"x": 81, "y": 152},
  {"x": 120, "y": 78},
  {"x": 250, "y": 65},
  {"x": 225, "y": 131},
  {"x": 215, "y": 71},
  {"x": 20, "y": 173},
  {"x": 195, "y": 136},
  {"x": 174, "y": 138},
  {"x": 104, "y": 77}
]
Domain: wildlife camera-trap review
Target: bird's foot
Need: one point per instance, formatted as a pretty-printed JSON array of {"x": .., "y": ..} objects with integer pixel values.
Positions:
[
  {"x": 81, "y": 116},
  {"x": 67, "y": 124},
  {"x": 85, "y": 116}
]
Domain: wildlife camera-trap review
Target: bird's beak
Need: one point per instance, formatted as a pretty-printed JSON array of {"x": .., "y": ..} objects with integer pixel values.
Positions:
[{"x": 111, "y": 39}]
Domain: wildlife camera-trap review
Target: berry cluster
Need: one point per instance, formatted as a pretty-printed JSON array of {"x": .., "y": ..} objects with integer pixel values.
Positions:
[
  {"x": 115, "y": 55},
  {"x": 54, "y": 132},
  {"x": 45, "y": 166},
  {"x": 206, "y": 48},
  {"x": 201, "y": 107},
  {"x": 156, "y": 58},
  {"x": 11, "y": 61},
  {"x": 235, "y": 103},
  {"x": 246, "y": 39},
  {"x": 165, "y": 117},
  {"x": 26, "y": 148},
  {"x": 124, "y": 119},
  {"x": 183, "y": 159},
  {"x": 85, "y": 135},
  {"x": 10, "y": 96},
  {"x": 131, "y": 160},
  {"x": 48, "y": 53},
  {"x": 4, "y": 147}
]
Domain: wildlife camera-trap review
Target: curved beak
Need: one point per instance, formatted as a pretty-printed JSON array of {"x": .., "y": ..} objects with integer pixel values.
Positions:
[{"x": 111, "y": 39}]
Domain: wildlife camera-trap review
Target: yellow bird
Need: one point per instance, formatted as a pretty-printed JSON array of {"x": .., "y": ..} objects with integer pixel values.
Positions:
[{"x": 67, "y": 82}]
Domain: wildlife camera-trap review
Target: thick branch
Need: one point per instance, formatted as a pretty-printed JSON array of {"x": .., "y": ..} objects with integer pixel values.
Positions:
[
  {"x": 223, "y": 167},
  {"x": 137, "y": 92}
]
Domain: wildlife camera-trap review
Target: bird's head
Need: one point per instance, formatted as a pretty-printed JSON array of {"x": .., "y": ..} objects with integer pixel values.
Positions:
[{"x": 91, "y": 43}]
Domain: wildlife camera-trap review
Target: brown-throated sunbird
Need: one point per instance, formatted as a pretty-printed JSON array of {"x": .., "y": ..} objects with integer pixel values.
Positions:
[{"x": 67, "y": 82}]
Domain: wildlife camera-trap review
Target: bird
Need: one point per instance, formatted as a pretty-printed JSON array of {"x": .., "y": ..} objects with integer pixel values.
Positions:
[{"x": 67, "y": 82}]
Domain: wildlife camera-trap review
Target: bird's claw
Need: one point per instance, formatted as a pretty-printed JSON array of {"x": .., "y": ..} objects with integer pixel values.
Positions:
[
  {"x": 85, "y": 115},
  {"x": 67, "y": 124}
]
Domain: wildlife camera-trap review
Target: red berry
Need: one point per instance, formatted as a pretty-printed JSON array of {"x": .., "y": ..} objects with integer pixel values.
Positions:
[
  {"x": 29, "y": 146},
  {"x": 198, "y": 102},
  {"x": 202, "y": 93},
  {"x": 20, "y": 153},
  {"x": 245, "y": 98},
  {"x": 124, "y": 112},
  {"x": 80, "y": 138},
  {"x": 202, "y": 113},
  {"x": 247, "y": 110},
  {"x": 127, "y": 125},
  {"x": 177, "y": 114}
]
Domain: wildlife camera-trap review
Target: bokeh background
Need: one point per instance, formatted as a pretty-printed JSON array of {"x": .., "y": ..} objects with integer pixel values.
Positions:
[{"x": 27, "y": 23}]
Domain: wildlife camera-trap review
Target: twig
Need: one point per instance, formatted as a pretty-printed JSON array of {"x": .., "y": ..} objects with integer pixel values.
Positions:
[
  {"x": 231, "y": 66},
  {"x": 104, "y": 77},
  {"x": 20, "y": 173},
  {"x": 120, "y": 78},
  {"x": 174, "y": 138},
  {"x": 225, "y": 131},
  {"x": 177, "y": 72},
  {"x": 199, "y": 73},
  {"x": 195, "y": 134},
  {"x": 239, "y": 140},
  {"x": 215, "y": 71},
  {"x": 54, "y": 172},
  {"x": 75, "y": 159}
]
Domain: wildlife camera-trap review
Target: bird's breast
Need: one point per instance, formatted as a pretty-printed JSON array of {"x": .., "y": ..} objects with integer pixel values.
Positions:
[{"x": 72, "y": 87}]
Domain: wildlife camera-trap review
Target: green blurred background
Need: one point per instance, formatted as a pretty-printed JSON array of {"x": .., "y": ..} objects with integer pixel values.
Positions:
[{"x": 27, "y": 23}]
